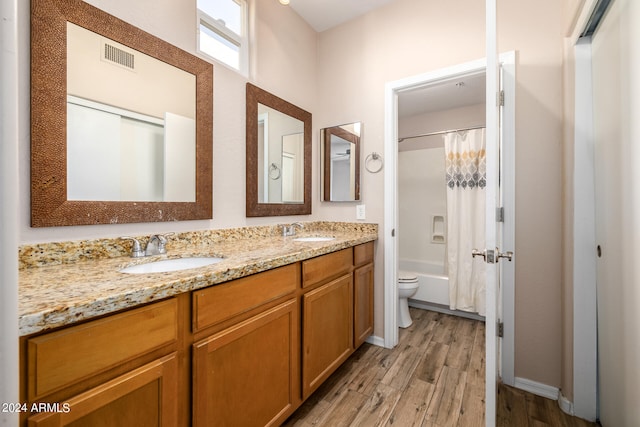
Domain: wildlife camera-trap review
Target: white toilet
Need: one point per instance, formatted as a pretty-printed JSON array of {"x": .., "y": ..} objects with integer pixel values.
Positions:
[{"x": 407, "y": 287}]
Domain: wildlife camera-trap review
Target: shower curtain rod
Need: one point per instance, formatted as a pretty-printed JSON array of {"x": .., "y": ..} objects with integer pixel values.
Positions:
[{"x": 442, "y": 132}]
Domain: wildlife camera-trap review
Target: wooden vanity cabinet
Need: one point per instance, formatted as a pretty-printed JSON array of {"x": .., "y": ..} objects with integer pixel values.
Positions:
[
  {"x": 247, "y": 373},
  {"x": 246, "y": 352},
  {"x": 362, "y": 293},
  {"x": 118, "y": 370},
  {"x": 327, "y": 317}
]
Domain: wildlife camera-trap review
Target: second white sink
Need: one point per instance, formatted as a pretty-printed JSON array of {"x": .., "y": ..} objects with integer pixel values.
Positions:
[
  {"x": 166, "y": 265},
  {"x": 314, "y": 239}
]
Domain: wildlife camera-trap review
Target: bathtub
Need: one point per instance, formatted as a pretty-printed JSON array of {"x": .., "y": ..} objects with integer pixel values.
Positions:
[{"x": 433, "y": 283}]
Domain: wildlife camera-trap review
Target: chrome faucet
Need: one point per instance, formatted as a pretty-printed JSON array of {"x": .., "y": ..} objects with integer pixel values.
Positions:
[
  {"x": 155, "y": 245},
  {"x": 290, "y": 230}
]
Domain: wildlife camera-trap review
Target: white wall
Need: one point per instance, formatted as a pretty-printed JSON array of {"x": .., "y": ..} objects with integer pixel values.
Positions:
[
  {"x": 536, "y": 30},
  {"x": 152, "y": 89},
  {"x": 421, "y": 195},
  {"x": 421, "y": 179}
]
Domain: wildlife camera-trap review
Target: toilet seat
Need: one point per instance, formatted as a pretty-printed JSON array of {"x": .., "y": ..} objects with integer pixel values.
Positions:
[{"x": 407, "y": 277}]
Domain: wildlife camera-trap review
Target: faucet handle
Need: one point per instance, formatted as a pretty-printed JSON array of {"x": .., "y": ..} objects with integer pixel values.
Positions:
[
  {"x": 286, "y": 230},
  {"x": 290, "y": 229},
  {"x": 162, "y": 240},
  {"x": 136, "y": 249},
  {"x": 156, "y": 244}
]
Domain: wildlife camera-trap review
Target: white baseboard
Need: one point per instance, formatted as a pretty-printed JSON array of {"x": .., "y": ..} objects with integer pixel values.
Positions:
[
  {"x": 375, "y": 340},
  {"x": 537, "y": 388},
  {"x": 565, "y": 404}
]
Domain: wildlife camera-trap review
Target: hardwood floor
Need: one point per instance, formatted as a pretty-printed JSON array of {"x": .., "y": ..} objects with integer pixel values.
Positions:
[
  {"x": 519, "y": 408},
  {"x": 434, "y": 377}
]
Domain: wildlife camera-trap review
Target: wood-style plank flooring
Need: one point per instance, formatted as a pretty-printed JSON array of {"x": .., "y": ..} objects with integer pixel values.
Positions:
[
  {"x": 519, "y": 408},
  {"x": 434, "y": 377}
]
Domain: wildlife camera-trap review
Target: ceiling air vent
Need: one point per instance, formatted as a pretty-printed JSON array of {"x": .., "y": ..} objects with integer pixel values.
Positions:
[{"x": 118, "y": 56}]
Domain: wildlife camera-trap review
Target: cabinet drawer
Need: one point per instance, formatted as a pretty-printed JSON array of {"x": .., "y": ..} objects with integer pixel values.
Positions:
[
  {"x": 221, "y": 302},
  {"x": 142, "y": 397},
  {"x": 363, "y": 254},
  {"x": 61, "y": 358},
  {"x": 326, "y": 267}
]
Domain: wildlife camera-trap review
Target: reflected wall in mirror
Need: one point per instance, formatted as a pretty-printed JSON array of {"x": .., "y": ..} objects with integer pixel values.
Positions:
[
  {"x": 340, "y": 159},
  {"x": 278, "y": 156},
  {"x": 130, "y": 123},
  {"x": 121, "y": 123}
]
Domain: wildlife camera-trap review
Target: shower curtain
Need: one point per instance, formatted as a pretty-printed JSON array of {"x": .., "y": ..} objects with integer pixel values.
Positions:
[{"x": 466, "y": 181}]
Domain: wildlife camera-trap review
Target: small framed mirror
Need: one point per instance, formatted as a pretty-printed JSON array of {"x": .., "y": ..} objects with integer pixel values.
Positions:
[
  {"x": 340, "y": 154},
  {"x": 278, "y": 156}
]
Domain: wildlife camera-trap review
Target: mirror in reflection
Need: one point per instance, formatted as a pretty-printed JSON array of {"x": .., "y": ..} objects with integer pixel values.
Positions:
[
  {"x": 130, "y": 123},
  {"x": 280, "y": 157},
  {"x": 340, "y": 156}
]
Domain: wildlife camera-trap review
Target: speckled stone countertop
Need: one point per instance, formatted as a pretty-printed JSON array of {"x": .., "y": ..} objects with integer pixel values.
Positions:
[{"x": 62, "y": 283}]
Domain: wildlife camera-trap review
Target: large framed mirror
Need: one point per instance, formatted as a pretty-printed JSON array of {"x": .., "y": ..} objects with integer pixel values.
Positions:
[
  {"x": 340, "y": 159},
  {"x": 278, "y": 156},
  {"x": 121, "y": 122}
]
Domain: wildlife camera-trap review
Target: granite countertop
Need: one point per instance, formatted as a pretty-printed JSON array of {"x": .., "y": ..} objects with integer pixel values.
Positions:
[{"x": 51, "y": 296}]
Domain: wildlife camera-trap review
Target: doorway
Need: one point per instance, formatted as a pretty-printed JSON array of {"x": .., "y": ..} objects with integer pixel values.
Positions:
[{"x": 505, "y": 310}]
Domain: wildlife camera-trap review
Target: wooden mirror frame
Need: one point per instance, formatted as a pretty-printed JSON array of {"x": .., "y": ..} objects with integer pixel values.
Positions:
[
  {"x": 49, "y": 204},
  {"x": 326, "y": 167},
  {"x": 256, "y": 95}
]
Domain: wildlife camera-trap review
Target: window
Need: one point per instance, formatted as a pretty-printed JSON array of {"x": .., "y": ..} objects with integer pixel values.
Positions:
[{"x": 222, "y": 32}]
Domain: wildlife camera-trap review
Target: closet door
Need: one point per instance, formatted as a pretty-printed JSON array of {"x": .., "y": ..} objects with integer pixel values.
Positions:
[{"x": 616, "y": 90}]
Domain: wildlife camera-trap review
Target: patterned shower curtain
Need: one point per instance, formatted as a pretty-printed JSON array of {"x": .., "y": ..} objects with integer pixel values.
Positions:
[{"x": 466, "y": 182}]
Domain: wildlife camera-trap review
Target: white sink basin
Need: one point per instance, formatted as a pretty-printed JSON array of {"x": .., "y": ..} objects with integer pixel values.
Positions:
[
  {"x": 175, "y": 264},
  {"x": 313, "y": 239}
]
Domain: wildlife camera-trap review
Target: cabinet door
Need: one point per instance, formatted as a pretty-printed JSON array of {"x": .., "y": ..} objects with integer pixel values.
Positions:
[
  {"x": 362, "y": 304},
  {"x": 246, "y": 374},
  {"x": 327, "y": 331},
  {"x": 146, "y": 396}
]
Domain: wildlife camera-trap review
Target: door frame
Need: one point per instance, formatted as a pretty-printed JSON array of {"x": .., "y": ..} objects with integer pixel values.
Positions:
[
  {"x": 392, "y": 90},
  {"x": 10, "y": 119}
]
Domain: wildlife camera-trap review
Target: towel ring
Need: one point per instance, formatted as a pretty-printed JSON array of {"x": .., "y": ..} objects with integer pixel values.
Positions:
[
  {"x": 373, "y": 157},
  {"x": 274, "y": 171}
]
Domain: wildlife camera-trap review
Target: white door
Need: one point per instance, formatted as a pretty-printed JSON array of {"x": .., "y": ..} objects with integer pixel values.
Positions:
[
  {"x": 616, "y": 90},
  {"x": 500, "y": 234},
  {"x": 492, "y": 202}
]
